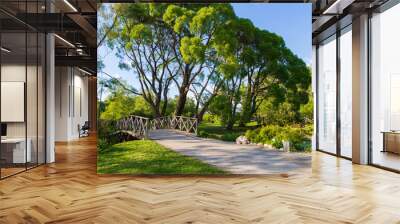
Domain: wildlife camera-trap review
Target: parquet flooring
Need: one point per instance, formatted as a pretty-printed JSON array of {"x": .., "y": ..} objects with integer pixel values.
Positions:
[{"x": 70, "y": 191}]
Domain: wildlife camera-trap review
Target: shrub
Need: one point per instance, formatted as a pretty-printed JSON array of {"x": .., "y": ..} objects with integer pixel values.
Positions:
[
  {"x": 203, "y": 134},
  {"x": 211, "y": 118},
  {"x": 298, "y": 139},
  {"x": 102, "y": 144},
  {"x": 308, "y": 129},
  {"x": 230, "y": 136},
  {"x": 275, "y": 135},
  {"x": 251, "y": 135},
  {"x": 277, "y": 142}
]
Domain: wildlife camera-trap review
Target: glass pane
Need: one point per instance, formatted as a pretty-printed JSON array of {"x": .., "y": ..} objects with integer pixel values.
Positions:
[
  {"x": 14, "y": 154},
  {"x": 346, "y": 93},
  {"x": 327, "y": 96},
  {"x": 41, "y": 99},
  {"x": 32, "y": 98},
  {"x": 386, "y": 89}
]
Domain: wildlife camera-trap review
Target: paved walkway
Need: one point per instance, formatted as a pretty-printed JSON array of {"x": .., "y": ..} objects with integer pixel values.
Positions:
[{"x": 237, "y": 159}]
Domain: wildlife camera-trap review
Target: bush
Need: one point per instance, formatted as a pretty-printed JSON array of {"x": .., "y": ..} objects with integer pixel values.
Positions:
[
  {"x": 105, "y": 133},
  {"x": 230, "y": 136},
  {"x": 102, "y": 144},
  {"x": 251, "y": 135},
  {"x": 211, "y": 118},
  {"x": 277, "y": 142},
  {"x": 297, "y": 138},
  {"x": 309, "y": 129},
  {"x": 275, "y": 135},
  {"x": 203, "y": 134}
]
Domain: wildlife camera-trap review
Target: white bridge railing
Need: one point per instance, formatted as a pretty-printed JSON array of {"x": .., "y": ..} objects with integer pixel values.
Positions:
[
  {"x": 140, "y": 126},
  {"x": 134, "y": 125}
]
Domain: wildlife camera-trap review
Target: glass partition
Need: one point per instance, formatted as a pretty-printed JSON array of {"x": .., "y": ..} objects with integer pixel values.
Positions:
[
  {"x": 13, "y": 94},
  {"x": 327, "y": 95},
  {"x": 22, "y": 101},
  {"x": 385, "y": 89},
  {"x": 346, "y": 92}
]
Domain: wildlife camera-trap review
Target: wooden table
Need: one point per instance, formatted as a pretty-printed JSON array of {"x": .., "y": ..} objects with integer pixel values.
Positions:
[{"x": 391, "y": 141}]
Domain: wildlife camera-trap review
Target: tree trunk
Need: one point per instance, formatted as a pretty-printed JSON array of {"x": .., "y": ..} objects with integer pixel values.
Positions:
[
  {"x": 205, "y": 107},
  {"x": 183, "y": 90},
  {"x": 180, "y": 105},
  {"x": 246, "y": 112},
  {"x": 231, "y": 120},
  {"x": 229, "y": 126}
]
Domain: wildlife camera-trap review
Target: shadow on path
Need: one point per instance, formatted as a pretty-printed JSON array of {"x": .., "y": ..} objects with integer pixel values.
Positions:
[{"x": 237, "y": 159}]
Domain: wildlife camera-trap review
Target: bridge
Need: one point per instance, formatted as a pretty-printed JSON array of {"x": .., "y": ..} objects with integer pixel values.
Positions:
[
  {"x": 179, "y": 133},
  {"x": 140, "y": 127}
]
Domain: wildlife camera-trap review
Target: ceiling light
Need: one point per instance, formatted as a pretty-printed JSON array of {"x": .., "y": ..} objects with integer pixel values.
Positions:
[
  {"x": 338, "y": 6},
  {"x": 5, "y": 50},
  {"x": 84, "y": 71},
  {"x": 70, "y": 5},
  {"x": 65, "y": 41}
]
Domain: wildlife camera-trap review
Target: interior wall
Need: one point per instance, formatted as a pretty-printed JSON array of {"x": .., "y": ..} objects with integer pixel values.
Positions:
[
  {"x": 15, "y": 72},
  {"x": 71, "y": 102},
  {"x": 92, "y": 98}
]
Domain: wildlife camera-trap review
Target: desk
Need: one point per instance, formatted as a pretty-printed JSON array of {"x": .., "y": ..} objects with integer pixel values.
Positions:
[
  {"x": 391, "y": 141},
  {"x": 13, "y": 150}
]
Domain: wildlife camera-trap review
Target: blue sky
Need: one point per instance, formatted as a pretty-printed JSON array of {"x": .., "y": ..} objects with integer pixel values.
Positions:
[{"x": 292, "y": 21}]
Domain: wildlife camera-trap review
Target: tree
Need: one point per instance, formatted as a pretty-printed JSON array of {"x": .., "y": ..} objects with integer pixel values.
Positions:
[
  {"x": 231, "y": 67},
  {"x": 198, "y": 32},
  {"x": 118, "y": 105},
  {"x": 143, "y": 39}
]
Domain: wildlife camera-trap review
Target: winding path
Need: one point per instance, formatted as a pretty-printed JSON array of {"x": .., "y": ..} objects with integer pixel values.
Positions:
[{"x": 237, "y": 159}]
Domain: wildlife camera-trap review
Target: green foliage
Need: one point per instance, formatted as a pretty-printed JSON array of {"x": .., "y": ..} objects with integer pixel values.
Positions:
[
  {"x": 277, "y": 142},
  {"x": 216, "y": 131},
  {"x": 211, "y": 118},
  {"x": 105, "y": 134},
  {"x": 117, "y": 106},
  {"x": 140, "y": 31},
  {"x": 142, "y": 107},
  {"x": 120, "y": 105},
  {"x": 230, "y": 136},
  {"x": 148, "y": 157},
  {"x": 274, "y": 135},
  {"x": 307, "y": 110},
  {"x": 192, "y": 50},
  {"x": 221, "y": 107},
  {"x": 280, "y": 114},
  {"x": 261, "y": 78}
]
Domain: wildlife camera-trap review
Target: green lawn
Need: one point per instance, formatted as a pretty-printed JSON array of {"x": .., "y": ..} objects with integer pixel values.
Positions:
[
  {"x": 148, "y": 157},
  {"x": 217, "y": 131}
]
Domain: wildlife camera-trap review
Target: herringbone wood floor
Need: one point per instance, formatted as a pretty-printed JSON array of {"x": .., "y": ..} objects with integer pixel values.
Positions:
[{"x": 70, "y": 191}]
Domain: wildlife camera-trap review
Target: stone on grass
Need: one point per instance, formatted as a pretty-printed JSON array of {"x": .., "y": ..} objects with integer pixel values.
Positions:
[{"x": 242, "y": 140}]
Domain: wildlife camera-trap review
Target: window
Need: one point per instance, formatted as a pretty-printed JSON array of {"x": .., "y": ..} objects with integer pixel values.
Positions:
[
  {"x": 346, "y": 92},
  {"x": 327, "y": 95},
  {"x": 385, "y": 88},
  {"x": 22, "y": 88}
]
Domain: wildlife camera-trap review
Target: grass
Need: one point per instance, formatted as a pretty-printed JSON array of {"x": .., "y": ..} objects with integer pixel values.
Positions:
[
  {"x": 217, "y": 131},
  {"x": 148, "y": 157}
]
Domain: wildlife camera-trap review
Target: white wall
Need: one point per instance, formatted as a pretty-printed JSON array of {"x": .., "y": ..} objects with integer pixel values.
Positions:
[{"x": 71, "y": 102}]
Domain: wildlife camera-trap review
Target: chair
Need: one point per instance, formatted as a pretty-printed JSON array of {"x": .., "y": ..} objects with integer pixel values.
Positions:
[{"x": 84, "y": 130}]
